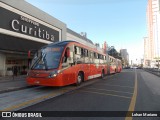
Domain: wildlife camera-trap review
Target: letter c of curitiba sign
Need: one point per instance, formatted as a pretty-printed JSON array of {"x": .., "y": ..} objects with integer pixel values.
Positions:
[{"x": 18, "y": 23}]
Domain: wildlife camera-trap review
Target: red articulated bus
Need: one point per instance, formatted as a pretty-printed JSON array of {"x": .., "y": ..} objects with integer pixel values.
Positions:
[
  {"x": 118, "y": 65},
  {"x": 115, "y": 65},
  {"x": 64, "y": 63},
  {"x": 112, "y": 65}
]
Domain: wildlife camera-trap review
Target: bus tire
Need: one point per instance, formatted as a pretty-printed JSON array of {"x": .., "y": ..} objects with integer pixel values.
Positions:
[{"x": 79, "y": 79}]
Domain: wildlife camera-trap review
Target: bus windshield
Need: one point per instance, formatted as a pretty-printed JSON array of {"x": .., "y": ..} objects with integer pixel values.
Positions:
[{"x": 47, "y": 58}]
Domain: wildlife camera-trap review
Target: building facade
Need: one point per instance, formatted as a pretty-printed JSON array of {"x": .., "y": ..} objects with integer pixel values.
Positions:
[
  {"x": 152, "y": 43},
  {"x": 24, "y": 27},
  {"x": 146, "y": 61},
  {"x": 125, "y": 57}
]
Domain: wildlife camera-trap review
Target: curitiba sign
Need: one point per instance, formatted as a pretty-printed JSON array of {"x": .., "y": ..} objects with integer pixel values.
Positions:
[{"x": 19, "y": 23}]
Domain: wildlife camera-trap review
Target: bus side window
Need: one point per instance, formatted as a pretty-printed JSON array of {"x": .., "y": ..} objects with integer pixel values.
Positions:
[
  {"x": 82, "y": 52},
  {"x": 89, "y": 54},
  {"x": 75, "y": 49},
  {"x": 86, "y": 53},
  {"x": 94, "y": 55}
]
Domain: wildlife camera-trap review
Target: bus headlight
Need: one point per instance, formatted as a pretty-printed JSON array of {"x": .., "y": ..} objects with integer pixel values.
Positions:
[{"x": 53, "y": 74}]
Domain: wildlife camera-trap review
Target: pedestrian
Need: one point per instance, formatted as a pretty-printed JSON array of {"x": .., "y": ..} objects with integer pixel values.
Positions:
[{"x": 15, "y": 71}]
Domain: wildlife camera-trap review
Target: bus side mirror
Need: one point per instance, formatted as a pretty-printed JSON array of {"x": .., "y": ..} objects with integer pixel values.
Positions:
[
  {"x": 68, "y": 52},
  {"x": 32, "y": 51}
]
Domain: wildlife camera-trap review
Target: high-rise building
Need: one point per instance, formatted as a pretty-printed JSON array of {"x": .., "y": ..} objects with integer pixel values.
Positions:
[
  {"x": 146, "y": 52},
  {"x": 125, "y": 57},
  {"x": 152, "y": 42},
  {"x": 149, "y": 29}
]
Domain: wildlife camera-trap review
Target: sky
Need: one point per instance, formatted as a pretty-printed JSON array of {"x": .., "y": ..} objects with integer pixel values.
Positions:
[{"x": 121, "y": 23}]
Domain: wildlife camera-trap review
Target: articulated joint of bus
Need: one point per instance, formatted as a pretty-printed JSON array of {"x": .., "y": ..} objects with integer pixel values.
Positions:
[{"x": 54, "y": 73}]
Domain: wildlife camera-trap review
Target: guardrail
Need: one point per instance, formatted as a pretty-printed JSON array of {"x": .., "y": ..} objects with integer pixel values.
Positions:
[{"x": 154, "y": 71}]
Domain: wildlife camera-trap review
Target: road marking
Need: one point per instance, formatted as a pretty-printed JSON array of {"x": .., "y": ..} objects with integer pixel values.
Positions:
[
  {"x": 45, "y": 97},
  {"x": 27, "y": 102},
  {"x": 105, "y": 94},
  {"x": 36, "y": 100},
  {"x": 110, "y": 90},
  {"x": 133, "y": 100},
  {"x": 116, "y": 85}
]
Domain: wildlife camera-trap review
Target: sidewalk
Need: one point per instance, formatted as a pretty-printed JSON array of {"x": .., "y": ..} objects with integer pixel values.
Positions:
[
  {"x": 9, "y": 84},
  {"x": 155, "y": 72}
]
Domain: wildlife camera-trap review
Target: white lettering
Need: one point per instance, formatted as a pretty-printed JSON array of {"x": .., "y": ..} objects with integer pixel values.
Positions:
[
  {"x": 34, "y": 115},
  {"x": 52, "y": 37},
  {"x": 22, "y": 18},
  {"x": 47, "y": 36},
  {"x": 29, "y": 20},
  {"x": 150, "y": 114},
  {"x": 144, "y": 114},
  {"x": 136, "y": 114},
  {"x": 43, "y": 34},
  {"x": 19, "y": 114},
  {"x": 13, "y": 25},
  {"x": 34, "y": 31},
  {"x": 39, "y": 32},
  {"x": 30, "y": 30},
  {"x": 24, "y": 29}
]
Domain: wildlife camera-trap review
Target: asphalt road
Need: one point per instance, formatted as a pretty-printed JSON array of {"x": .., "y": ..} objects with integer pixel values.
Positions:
[{"x": 130, "y": 90}]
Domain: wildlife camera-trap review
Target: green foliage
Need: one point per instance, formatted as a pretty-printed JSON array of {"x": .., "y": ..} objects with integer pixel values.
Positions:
[{"x": 113, "y": 52}]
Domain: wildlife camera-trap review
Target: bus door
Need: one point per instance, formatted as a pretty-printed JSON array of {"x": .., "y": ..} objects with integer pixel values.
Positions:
[
  {"x": 95, "y": 64},
  {"x": 86, "y": 65},
  {"x": 111, "y": 67},
  {"x": 69, "y": 74},
  {"x": 117, "y": 66},
  {"x": 82, "y": 61},
  {"x": 91, "y": 65}
]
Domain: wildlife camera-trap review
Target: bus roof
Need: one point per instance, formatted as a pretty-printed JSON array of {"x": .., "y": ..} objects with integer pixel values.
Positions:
[
  {"x": 64, "y": 43},
  {"x": 61, "y": 43}
]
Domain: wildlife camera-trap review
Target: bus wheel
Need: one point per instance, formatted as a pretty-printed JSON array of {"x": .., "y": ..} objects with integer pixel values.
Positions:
[{"x": 79, "y": 79}]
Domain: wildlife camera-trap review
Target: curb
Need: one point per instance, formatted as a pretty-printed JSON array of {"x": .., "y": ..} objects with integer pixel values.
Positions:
[
  {"x": 152, "y": 72},
  {"x": 15, "y": 89}
]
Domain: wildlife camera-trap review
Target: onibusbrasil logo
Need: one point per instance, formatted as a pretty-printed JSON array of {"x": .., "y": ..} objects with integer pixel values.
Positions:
[{"x": 23, "y": 114}]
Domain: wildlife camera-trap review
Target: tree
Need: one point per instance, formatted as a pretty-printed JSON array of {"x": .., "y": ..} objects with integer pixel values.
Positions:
[{"x": 113, "y": 52}]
